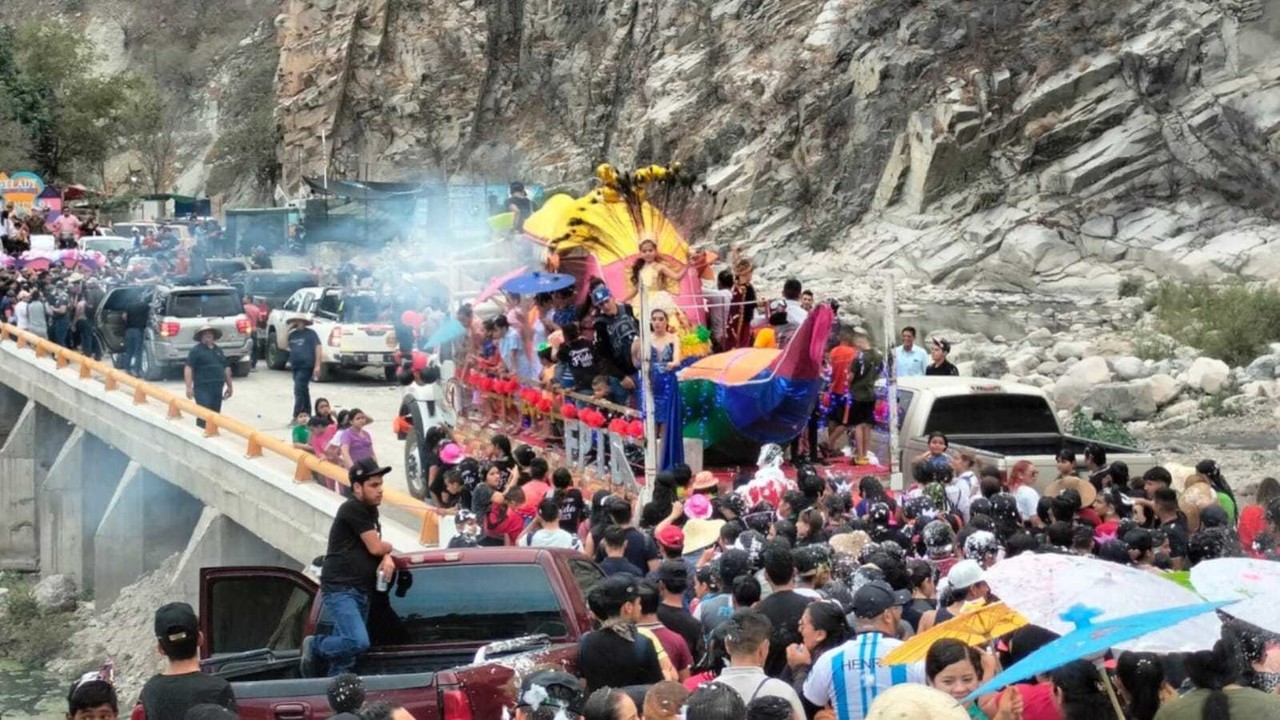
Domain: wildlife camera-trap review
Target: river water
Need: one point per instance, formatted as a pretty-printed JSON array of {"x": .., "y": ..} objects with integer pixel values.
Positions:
[{"x": 26, "y": 694}]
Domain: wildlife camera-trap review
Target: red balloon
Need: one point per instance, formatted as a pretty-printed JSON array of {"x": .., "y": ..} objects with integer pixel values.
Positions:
[
  {"x": 618, "y": 426},
  {"x": 411, "y": 318},
  {"x": 513, "y": 386},
  {"x": 544, "y": 405},
  {"x": 569, "y": 411},
  {"x": 635, "y": 428},
  {"x": 485, "y": 383}
]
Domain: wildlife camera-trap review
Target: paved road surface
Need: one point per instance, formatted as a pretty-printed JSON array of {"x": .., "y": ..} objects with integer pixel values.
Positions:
[{"x": 264, "y": 400}]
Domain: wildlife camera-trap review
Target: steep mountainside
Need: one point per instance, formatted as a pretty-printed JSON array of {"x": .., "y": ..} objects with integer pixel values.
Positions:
[{"x": 1055, "y": 145}]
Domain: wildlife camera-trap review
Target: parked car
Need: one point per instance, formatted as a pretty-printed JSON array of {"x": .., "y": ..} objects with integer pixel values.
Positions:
[
  {"x": 268, "y": 290},
  {"x": 433, "y": 636},
  {"x": 226, "y": 268},
  {"x": 1001, "y": 422},
  {"x": 347, "y": 323},
  {"x": 177, "y": 312},
  {"x": 106, "y": 243}
]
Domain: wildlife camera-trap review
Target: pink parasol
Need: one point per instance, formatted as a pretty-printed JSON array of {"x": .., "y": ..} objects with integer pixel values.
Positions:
[{"x": 495, "y": 285}]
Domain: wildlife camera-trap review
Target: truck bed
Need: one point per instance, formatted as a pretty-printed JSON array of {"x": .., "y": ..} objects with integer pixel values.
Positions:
[{"x": 1035, "y": 444}]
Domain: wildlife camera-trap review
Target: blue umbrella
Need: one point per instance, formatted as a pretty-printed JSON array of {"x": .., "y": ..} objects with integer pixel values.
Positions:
[
  {"x": 1089, "y": 639},
  {"x": 538, "y": 282},
  {"x": 449, "y": 331}
]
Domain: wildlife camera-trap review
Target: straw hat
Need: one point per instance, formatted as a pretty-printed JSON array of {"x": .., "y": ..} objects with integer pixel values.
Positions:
[
  {"x": 700, "y": 534},
  {"x": 911, "y": 702},
  {"x": 1088, "y": 493},
  {"x": 704, "y": 480},
  {"x": 217, "y": 334},
  {"x": 850, "y": 543}
]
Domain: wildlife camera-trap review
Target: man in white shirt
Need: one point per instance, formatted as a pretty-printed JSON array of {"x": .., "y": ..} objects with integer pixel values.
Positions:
[
  {"x": 909, "y": 359},
  {"x": 849, "y": 677},
  {"x": 718, "y": 301},
  {"x": 748, "y": 644},
  {"x": 546, "y": 530}
]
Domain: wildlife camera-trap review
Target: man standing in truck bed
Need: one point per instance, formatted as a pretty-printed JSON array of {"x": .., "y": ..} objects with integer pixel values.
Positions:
[{"x": 356, "y": 554}]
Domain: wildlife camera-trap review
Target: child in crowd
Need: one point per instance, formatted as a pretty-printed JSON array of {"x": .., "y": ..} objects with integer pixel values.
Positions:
[{"x": 302, "y": 432}]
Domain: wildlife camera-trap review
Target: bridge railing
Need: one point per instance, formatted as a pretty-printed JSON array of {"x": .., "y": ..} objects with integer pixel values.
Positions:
[{"x": 306, "y": 465}]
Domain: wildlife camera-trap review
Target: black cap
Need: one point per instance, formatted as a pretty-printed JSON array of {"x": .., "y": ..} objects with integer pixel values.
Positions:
[
  {"x": 616, "y": 589},
  {"x": 875, "y": 597},
  {"x": 673, "y": 572},
  {"x": 1207, "y": 468},
  {"x": 364, "y": 469},
  {"x": 809, "y": 559},
  {"x": 176, "y": 622},
  {"x": 553, "y": 688}
]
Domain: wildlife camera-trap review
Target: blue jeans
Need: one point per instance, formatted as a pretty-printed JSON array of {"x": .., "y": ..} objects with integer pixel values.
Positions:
[
  {"x": 348, "y": 610},
  {"x": 302, "y": 388},
  {"x": 60, "y": 330},
  {"x": 133, "y": 351}
]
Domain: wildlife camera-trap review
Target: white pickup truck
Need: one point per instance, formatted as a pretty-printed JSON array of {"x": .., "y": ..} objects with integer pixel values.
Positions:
[
  {"x": 351, "y": 335},
  {"x": 1001, "y": 422}
]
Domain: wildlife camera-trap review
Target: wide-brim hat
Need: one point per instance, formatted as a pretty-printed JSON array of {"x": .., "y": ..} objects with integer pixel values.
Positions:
[
  {"x": 850, "y": 543},
  {"x": 1088, "y": 493},
  {"x": 301, "y": 319},
  {"x": 701, "y": 534},
  {"x": 705, "y": 480},
  {"x": 217, "y": 334}
]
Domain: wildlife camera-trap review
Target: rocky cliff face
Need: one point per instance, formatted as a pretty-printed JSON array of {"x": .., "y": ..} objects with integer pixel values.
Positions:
[{"x": 1046, "y": 145}]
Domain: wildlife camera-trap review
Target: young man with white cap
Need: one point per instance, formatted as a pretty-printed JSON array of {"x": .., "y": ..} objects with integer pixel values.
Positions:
[{"x": 850, "y": 677}]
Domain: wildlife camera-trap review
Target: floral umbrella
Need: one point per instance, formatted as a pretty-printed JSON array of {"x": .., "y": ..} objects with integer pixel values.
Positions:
[
  {"x": 1043, "y": 587},
  {"x": 1253, "y": 582}
]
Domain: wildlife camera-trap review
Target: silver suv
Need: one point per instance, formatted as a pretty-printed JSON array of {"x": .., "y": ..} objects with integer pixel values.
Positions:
[{"x": 177, "y": 312}]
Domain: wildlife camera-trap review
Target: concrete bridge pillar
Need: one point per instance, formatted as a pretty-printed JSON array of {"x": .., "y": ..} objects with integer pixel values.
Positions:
[
  {"x": 146, "y": 521},
  {"x": 73, "y": 499},
  {"x": 219, "y": 541},
  {"x": 12, "y": 403},
  {"x": 19, "y": 533}
]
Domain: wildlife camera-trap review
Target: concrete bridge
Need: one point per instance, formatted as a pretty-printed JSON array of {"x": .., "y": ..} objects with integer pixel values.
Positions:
[{"x": 103, "y": 477}]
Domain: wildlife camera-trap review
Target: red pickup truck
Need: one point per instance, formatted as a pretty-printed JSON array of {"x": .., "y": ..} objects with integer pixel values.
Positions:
[{"x": 525, "y": 608}]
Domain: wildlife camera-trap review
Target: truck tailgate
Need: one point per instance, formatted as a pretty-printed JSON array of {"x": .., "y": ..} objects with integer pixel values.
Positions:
[
  {"x": 307, "y": 699},
  {"x": 367, "y": 338}
]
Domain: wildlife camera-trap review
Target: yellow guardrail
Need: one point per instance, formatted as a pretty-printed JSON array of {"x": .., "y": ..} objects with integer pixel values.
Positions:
[{"x": 306, "y": 465}]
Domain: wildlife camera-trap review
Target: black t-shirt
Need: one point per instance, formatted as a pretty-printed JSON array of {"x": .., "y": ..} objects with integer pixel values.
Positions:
[
  {"x": 302, "y": 347},
  {"x": 1178, "y": 535},
  {"x": 678, "y": 620},
  {"x": 208, "y": 365},
  {"x": 783, "y": 610},
  {"x": 581, "y": 359},
  {"x": 614, "y": 336},
  {"x": 620, "y": 566},
  {"x": 946, "y": 368},
  {"x": 606, "y": 659},
  {"x": 523, "y": 204},
  {"x": 168, "y": 697},
  {"x": 136, "y": 316},
  {"x": 347, "y": 562},
  {"x": 481, "y": 499},
  {"x": 640, "y": 549}
]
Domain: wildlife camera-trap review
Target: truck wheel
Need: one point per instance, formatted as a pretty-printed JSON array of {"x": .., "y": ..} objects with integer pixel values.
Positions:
[
  {"x": 151, "y": 370},
  {"x": 415, "y": 472},
  {"x": 326, "y": 373},
  {"x": 241, "y": 369},
  {"x": 275, "y": 358},
  {"x": 389, "y": 372}
]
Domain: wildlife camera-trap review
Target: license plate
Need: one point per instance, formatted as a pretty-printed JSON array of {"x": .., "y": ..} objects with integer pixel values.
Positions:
[{"x": 362, "y": 357}]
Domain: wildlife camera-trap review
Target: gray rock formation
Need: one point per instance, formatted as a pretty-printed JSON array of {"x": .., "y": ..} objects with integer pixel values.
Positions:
[
  {"x": 1034, "y": 146},
  {"x": 56, "y": 592}
]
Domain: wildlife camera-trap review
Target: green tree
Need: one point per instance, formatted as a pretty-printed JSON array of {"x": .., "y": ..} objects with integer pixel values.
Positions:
[
  {"x": 150, "y": 126},
  {"x": 70, "y": 117}
]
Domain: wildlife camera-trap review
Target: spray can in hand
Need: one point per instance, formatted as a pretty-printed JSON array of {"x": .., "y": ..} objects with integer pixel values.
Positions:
[{"x": 383, "y": 581}]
